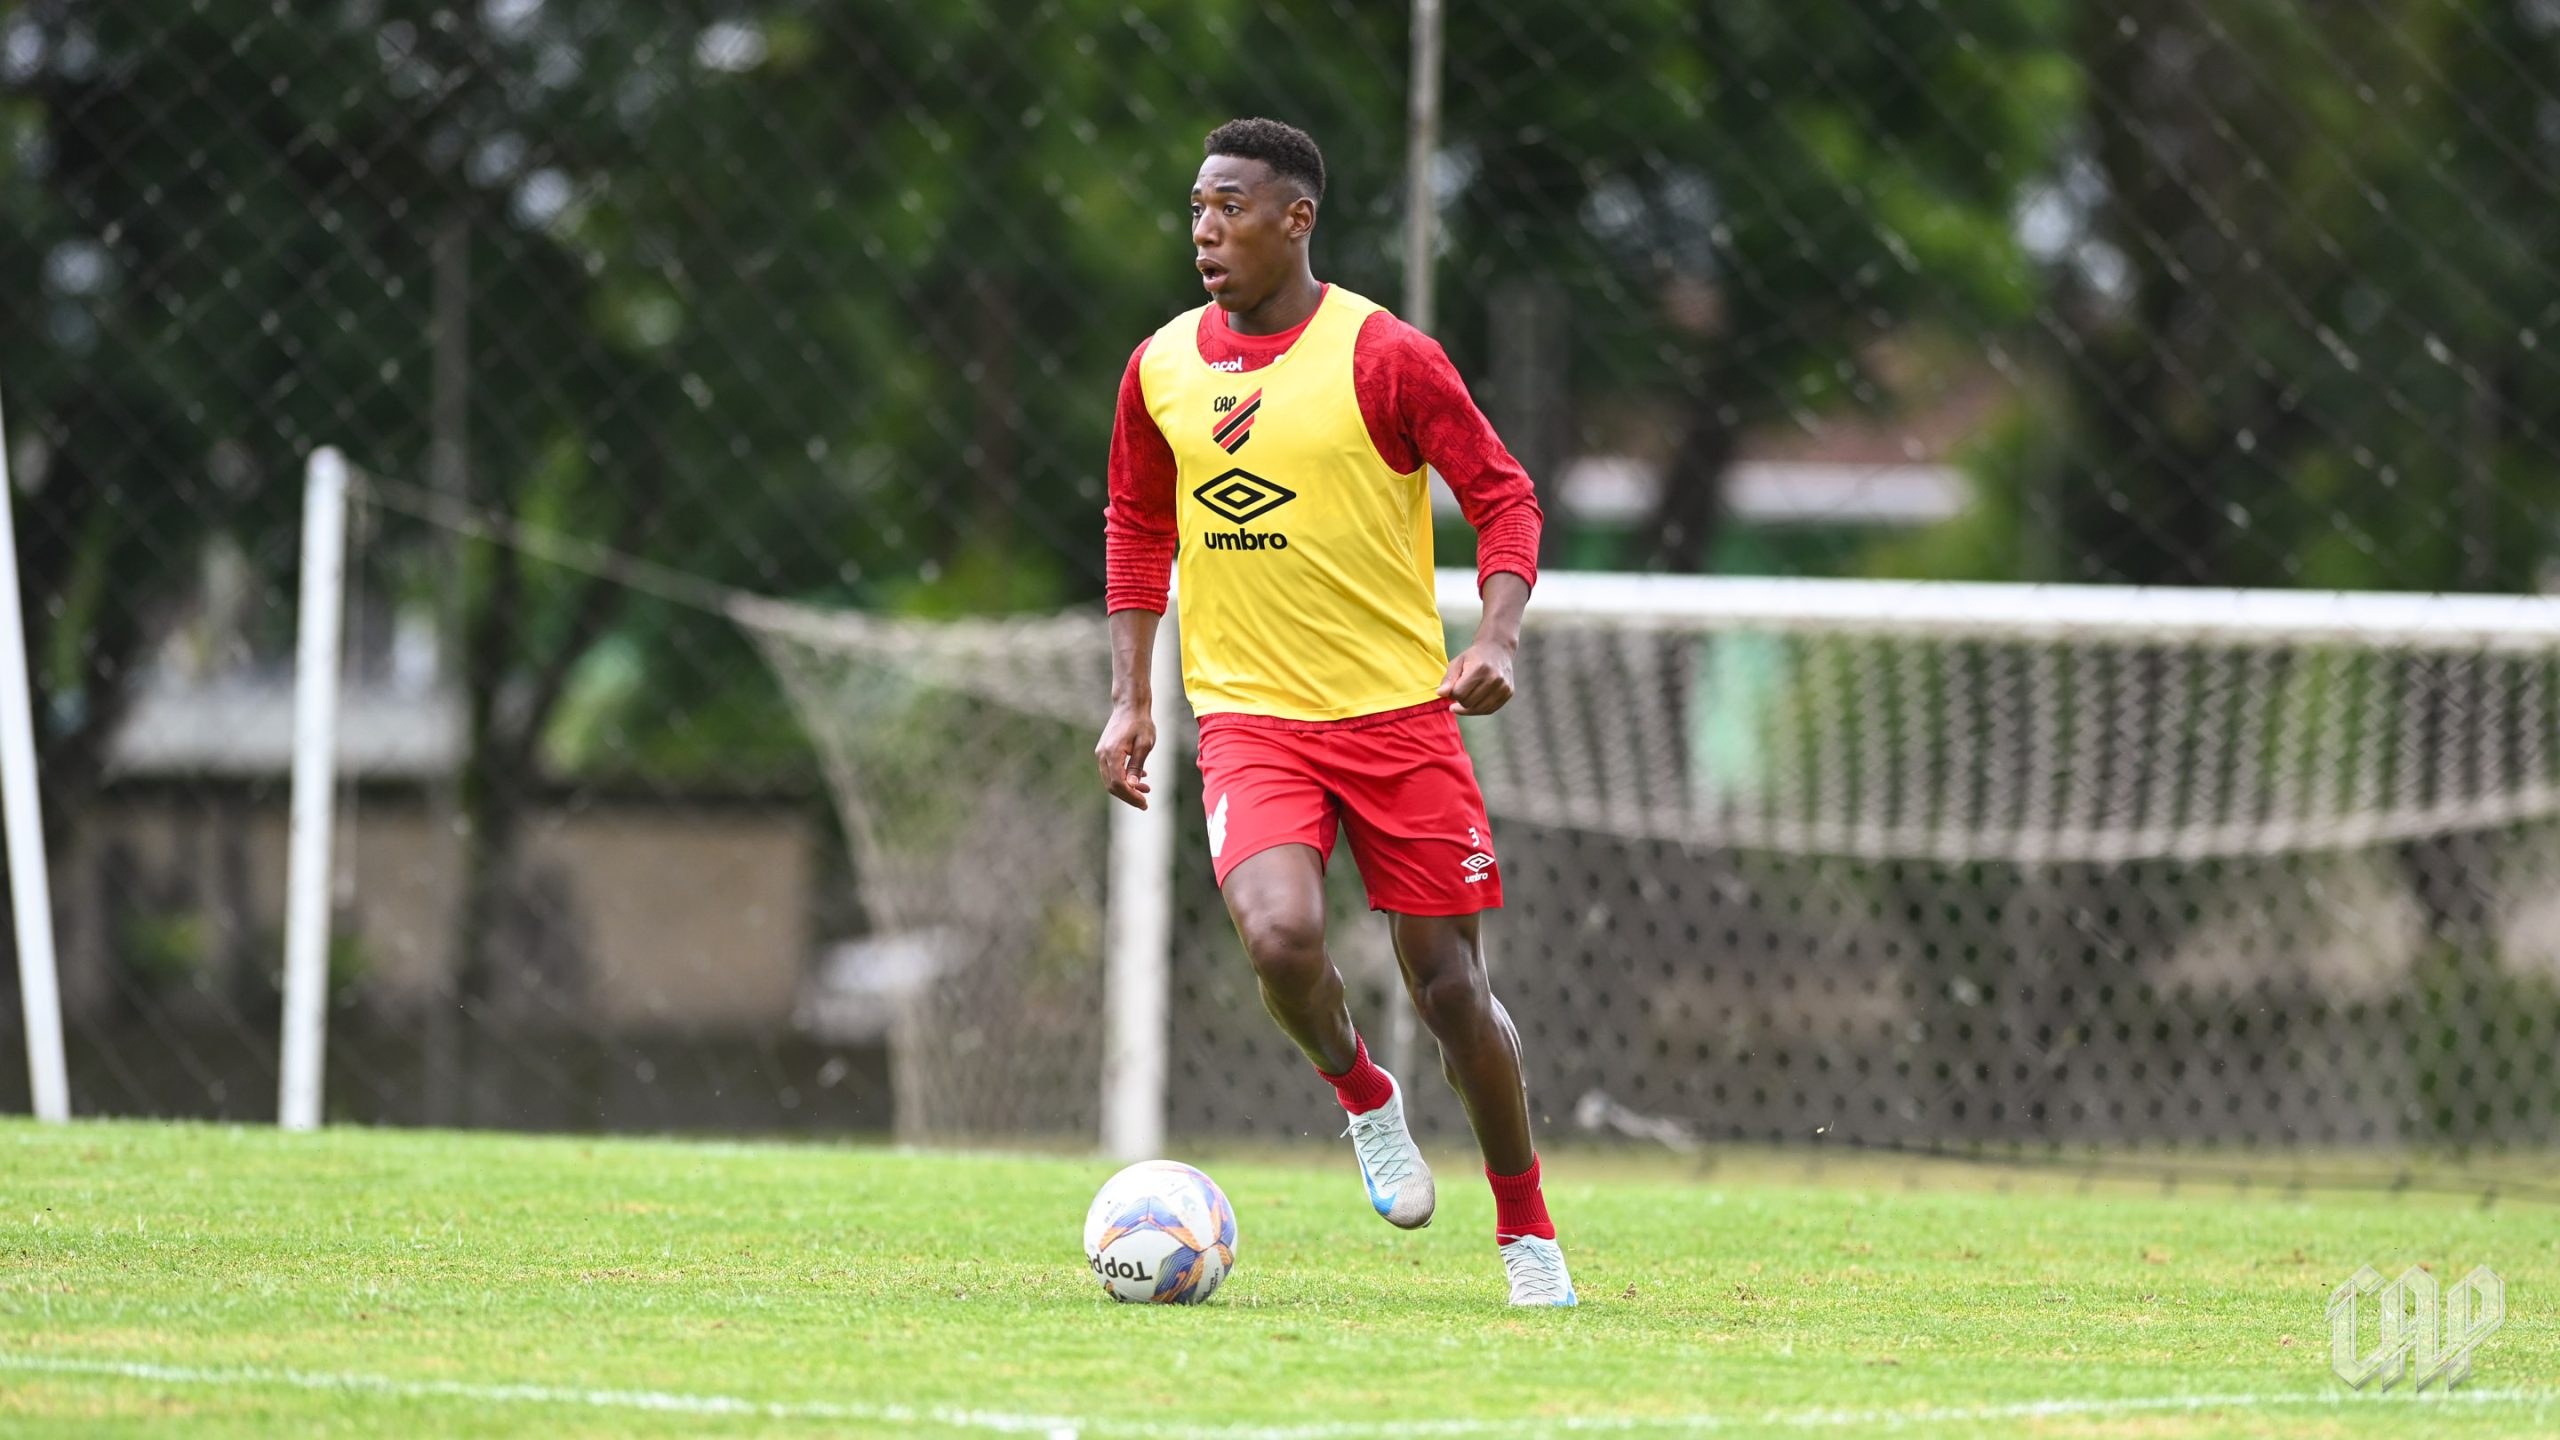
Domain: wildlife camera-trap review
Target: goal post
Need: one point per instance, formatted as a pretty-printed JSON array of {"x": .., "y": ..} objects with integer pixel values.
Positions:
[
  {"x": 30, "y": 888},
  {"x": 315, "y": 751},
  {"x": 1881, "y": 862},
  {"x": 1138, "y": 926}
]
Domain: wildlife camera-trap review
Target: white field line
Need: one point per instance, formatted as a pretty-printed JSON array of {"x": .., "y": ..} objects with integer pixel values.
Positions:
[
  {"x": 672, "y": 1402},
  {"x": 1058, "y": 1427}
]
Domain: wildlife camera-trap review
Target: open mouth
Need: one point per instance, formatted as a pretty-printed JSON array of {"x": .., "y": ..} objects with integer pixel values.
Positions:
[{"x": 1212, "y": 274}]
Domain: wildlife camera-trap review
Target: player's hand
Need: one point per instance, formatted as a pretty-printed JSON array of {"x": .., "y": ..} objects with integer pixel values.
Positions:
[
  {"x": 1479, "y": 680},
  {"x": 1121, "y": 754}
]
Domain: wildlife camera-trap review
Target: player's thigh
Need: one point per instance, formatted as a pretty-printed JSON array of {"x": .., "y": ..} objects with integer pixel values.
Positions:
[
  {"x": 1276, "y": 898},
  {"x": 1416, "y": 817},
  {"x": 1259, "y": 791}
]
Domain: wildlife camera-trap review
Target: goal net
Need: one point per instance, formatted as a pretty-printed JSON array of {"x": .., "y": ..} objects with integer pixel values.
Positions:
[
  {"x": 1893, "y": 864},
  {"x": 978, "y": 840}
]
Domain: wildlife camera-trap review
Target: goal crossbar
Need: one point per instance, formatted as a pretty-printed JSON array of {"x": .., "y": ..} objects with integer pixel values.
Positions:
[{"x": 1990, "y": 610}]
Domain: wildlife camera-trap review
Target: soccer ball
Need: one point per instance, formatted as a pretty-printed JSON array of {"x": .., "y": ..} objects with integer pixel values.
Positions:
[{"x": 1160, "y": 1233}]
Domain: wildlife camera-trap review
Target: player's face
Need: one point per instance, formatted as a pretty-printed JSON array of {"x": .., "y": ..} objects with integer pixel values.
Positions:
[{"x": 1243, "y": 223}]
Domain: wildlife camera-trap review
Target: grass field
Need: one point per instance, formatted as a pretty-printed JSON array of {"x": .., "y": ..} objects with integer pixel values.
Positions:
[{"x": 245, "y": 1282}]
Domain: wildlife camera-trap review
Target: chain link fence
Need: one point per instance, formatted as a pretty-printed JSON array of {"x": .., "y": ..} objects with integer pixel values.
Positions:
[{"x": 826, "y": 301}]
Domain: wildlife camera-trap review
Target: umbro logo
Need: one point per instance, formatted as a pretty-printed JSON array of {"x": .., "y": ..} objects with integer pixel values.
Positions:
[
  {"x": 1233, "y": 424},
  {"x": 1240, "y": 495},
  {"x": 1476, "y": 866}
]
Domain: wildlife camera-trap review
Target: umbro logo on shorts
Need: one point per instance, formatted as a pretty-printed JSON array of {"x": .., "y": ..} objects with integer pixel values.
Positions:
[{"x": 1477, "y": 864}]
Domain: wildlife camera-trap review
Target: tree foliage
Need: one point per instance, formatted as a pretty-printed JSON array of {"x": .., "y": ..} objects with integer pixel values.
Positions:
[
  {"x": 829, "y": 299},
  {"x": 2316, "y": 356}
]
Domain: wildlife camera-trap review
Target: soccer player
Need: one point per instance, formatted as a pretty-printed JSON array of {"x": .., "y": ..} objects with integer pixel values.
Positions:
[{"x": 1275, "y": 440}]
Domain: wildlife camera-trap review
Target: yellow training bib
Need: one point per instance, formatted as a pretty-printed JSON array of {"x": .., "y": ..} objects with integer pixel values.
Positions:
[{"x": 1305, "y": 563}]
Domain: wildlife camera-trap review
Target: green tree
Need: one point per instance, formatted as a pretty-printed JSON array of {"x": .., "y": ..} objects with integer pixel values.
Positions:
[
  {"x": 168, "y": 297},
  {"x": 2315, "y": 362},
  {"x": 800, "y": 297},
  {"x": 1739, "y": 202}
]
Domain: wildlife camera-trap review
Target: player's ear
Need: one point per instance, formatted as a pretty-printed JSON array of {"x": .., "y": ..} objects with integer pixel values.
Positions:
[{"x": 1302, "y": 217}]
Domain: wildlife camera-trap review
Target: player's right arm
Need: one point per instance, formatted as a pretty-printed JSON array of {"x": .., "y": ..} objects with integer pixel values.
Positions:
[{"x": 1138, "y": 538}]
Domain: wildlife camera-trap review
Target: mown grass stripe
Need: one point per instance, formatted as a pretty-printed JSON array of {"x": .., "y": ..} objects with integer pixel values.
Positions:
[{"x": 1058, "y": 1427}]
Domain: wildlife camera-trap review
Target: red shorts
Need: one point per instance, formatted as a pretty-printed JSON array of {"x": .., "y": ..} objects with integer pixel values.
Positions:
[{"x": 1400, "y": 782}]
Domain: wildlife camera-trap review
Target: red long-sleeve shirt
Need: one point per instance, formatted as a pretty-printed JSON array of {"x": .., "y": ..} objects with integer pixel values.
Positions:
[{"x": 1418, "y": 412}]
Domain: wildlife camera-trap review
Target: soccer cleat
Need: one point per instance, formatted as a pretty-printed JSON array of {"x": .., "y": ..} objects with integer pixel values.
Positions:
[
  {"x": 1391, "y": 1166},
  {"x": 1536, "y": 1268}
]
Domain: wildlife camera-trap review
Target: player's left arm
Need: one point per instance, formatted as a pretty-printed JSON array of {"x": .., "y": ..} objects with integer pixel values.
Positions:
[
  {"x": 1479, "y": 679},
  {"x": 1406, "y": 380}
]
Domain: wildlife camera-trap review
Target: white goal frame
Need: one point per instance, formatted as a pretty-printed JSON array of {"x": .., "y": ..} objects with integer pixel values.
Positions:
[
  {"x": 30, "y": 889},
  {"x": 316, "y": 665},
  {"x": 1143, "y": 847}
]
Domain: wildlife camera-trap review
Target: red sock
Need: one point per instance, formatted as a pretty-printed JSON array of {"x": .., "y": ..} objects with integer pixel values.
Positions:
[
  {"x": 1364, "y": 1087},
  {"x": 1519, "y": 1206}
]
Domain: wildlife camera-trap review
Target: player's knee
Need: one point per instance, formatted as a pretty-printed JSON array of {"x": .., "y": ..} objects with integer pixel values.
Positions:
[
  {"x": 1285, "y": 945},
  {"x": 1452, "y": 1000}
]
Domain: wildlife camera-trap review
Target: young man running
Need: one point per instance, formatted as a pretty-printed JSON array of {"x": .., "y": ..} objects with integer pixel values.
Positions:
[{"x": 1276, "y": 440}]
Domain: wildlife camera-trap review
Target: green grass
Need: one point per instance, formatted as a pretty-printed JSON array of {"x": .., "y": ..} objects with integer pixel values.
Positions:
[{"x": 245, "y": 1282}]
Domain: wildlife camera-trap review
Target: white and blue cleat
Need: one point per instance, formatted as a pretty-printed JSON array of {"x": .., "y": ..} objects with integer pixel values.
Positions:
[
  {"x": 1536, "y": 1268},
  {"x": 1391, "y": 1165}
]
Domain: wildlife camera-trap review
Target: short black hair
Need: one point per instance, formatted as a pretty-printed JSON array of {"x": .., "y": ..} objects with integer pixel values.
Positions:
[{"x": 1289, "y": 151}]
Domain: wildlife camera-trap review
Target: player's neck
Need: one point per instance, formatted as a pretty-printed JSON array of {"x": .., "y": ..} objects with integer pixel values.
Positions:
[{"x": 1283, "y": 310}]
